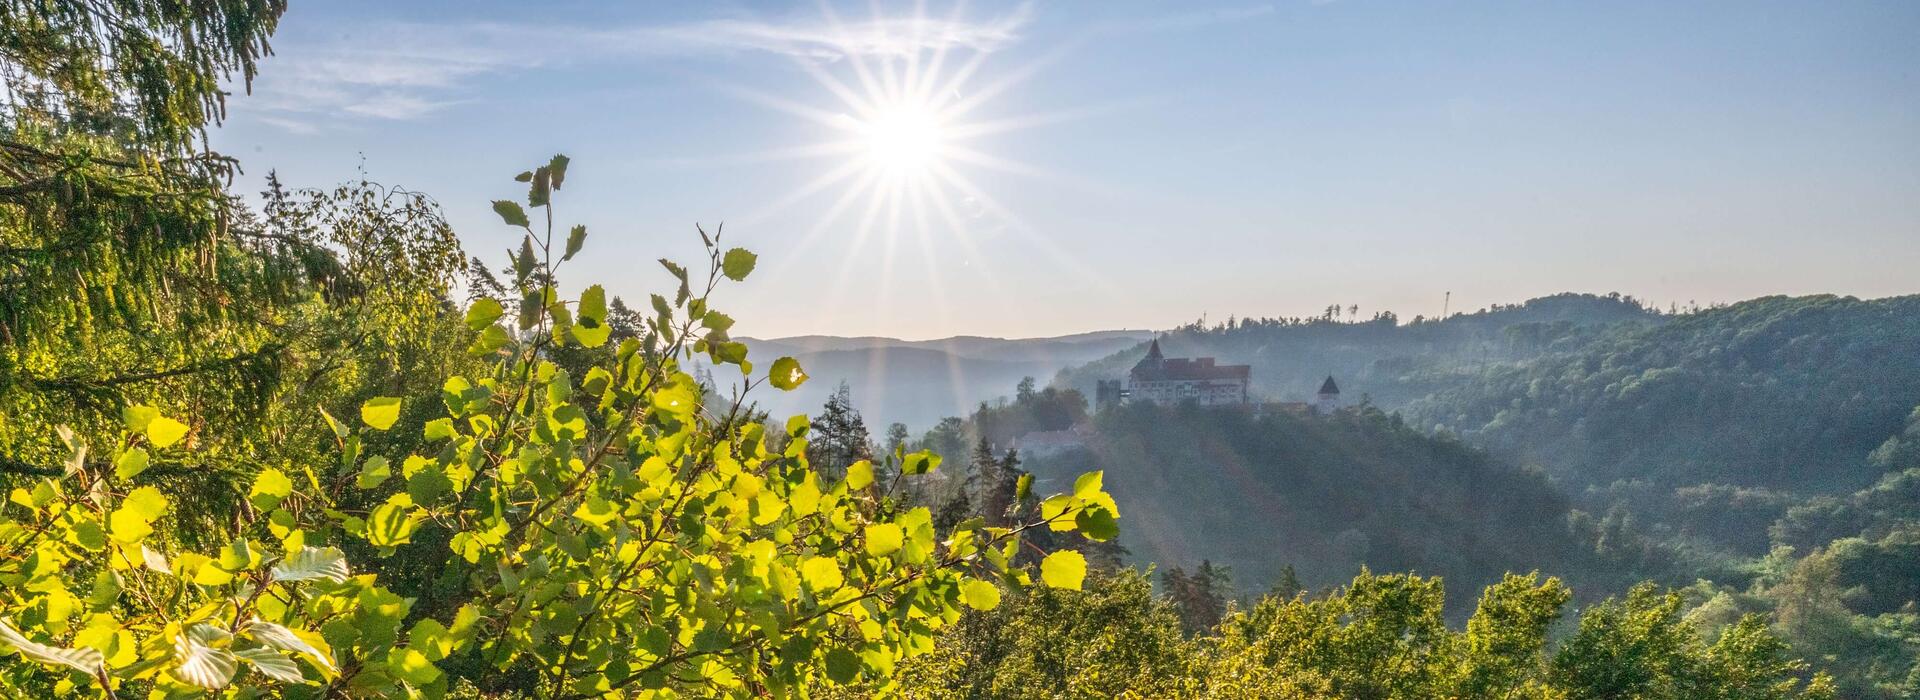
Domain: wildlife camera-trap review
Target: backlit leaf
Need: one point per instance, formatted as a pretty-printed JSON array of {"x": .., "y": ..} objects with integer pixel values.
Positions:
[
  {"x": 576, "y": 238},
  {"x": 1064, "y": 569},
  {"x": 884, "y": 539},
  {"x": 510, "y": 212},
  {"x": 738, "y": 263},
  {"x": 380, "y": 412},
  {"x": 859, "y": 475},
  {"x": 980, "y": 595},
  {"x": 822, "y": 574},
  {"x": 164, "y": 431},
  {"x": 483, "y": 313},
  {"x": 920, "y": 462},
  {"x": 130, "y": 463},
  {"x": 786, "y": 374}
]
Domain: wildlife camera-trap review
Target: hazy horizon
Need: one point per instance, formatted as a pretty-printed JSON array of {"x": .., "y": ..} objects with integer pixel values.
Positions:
[{"x": 1023, "y": 169}]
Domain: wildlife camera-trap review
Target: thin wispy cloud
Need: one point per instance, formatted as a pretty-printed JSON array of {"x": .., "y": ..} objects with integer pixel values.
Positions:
[{"x": 404, "y": 71}]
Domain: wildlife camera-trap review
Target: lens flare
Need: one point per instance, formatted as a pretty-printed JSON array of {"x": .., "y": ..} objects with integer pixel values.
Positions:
[{"x": 903, "y": 140}]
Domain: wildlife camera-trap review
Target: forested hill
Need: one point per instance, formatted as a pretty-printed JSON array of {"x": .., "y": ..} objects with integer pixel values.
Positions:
[
  {"x": 1323, "y": 494},
  {"x": 1389, "y": 362},
  {"x": 1788, "y": 392}
]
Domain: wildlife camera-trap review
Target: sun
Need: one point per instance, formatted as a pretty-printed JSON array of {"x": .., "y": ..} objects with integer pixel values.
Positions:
[
  {"x": 902, "y": 139},
  {"x": 911, "y": 115}
]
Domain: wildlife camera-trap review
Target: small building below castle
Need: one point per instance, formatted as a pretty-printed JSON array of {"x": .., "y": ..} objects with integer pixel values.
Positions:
[
  {"x": 1162, "y": 380},
  {"x": 1328, "y": 399}
]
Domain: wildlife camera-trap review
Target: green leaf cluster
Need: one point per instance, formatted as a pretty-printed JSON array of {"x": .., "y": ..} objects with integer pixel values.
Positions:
[{"x": 602, "y": 525}]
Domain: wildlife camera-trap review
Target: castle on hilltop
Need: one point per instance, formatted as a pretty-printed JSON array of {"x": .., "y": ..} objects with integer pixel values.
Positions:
[
  {"x": 1159, "y": 379},
  {"x": 1162, "y": 380}
]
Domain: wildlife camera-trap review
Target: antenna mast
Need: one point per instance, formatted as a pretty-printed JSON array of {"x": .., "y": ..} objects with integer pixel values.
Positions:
[{"x": 1446, "y": 305}]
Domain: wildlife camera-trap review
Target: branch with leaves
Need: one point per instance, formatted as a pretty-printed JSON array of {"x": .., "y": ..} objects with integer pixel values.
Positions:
[{"x": 607, "y": 531}]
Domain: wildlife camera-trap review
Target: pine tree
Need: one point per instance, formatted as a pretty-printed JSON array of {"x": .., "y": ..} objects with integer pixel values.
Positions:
[
  {"x": 1200, "y": 598},
  {"x": 897, "y": 438},
  {"x": 991, "y": 480},
  {"x": 839, "y": 435}
]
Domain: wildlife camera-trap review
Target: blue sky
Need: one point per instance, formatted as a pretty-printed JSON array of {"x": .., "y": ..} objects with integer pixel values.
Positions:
[{"x": 1139, "y": 164}]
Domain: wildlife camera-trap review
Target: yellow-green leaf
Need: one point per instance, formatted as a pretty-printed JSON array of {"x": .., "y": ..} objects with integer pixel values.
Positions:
[
  {"x": 884, "y": 539},
  {"x": 268, "y": 488},
  {"x": 483, "y": 313},
  {"x": 786, "y": 374},
  {"x": 164, "y": 431},
  {"x": 380, "y": 412},
  {"x": 137, "y": 416},
  {"x": 1064, "y": 569},
  {"x": 147, "y": 501},
  {"x": 131, "y": 463},
  {"x": 980, "y": 595},
  {"x": 859, "y": 475},
  {"x": 738, "y": 263},
  {"x": 822, "y": 574},
  {"x": 920, "y": 462}
]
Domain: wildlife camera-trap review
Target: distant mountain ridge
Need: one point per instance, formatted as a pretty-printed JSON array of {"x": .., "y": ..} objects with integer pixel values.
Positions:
[
  {"x": 918, "y": 382},
  {"x": 1386, "y": 361}
]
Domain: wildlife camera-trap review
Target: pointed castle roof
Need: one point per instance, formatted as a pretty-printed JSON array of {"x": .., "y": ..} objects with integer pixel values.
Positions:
[
  {"x": 1157, "y": 367},
  {"x": 1153, "y": 361},
  {"x": 1328, "y": 387}
]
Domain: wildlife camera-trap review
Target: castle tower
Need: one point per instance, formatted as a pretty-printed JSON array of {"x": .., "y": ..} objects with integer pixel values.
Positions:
[
  {"x": 1329, "y": 399},
  {"x": 1154, "y": 359}
]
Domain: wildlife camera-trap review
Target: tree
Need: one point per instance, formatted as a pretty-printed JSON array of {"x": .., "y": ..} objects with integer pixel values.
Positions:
[
  {"x": 602, "y": 532},
  {"x": 129, "y": 275},
  {"x": 1111, "y": 640},
  {"x": 1287, "y": 585},
  {"x": 839, "y": 434},
  {"x": 992, "y": 482},
  {"x": 1200, "y": 598},
  {"x": 897, "y": 437}
]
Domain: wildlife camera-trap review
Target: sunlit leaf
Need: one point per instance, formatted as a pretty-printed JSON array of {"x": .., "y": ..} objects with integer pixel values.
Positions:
[
  {"x": 280, "y": 637},
  {"x": 271, "y": 664},
  {"x": 269, "y": 487},
  {"x": 84, "y": 659},
  {"x": 483, "y": 313},
  {"x": 980, "y": 595},
  {"x": 199, "y": 662},
  {"x": 786, "y": 374},
  {"x": 312, "y": 563},
  {"x": 822, "y": 574},
  {"x": 130, "y": 463},
  {"x": 884, "y": 539},
  {"x": 1064, "y": 569},
  {"x": 380, "y": 412},
  {"x": 164, "y": 431}
]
